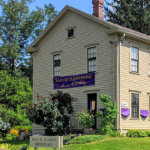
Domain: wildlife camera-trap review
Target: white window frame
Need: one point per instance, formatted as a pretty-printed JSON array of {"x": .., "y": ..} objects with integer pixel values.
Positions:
[
  {"x": 133, "y": 59},
  {"x": 138, "y": 105},
  {"x": 57, "y": 67},
  {"x": 91, "y": 59}
]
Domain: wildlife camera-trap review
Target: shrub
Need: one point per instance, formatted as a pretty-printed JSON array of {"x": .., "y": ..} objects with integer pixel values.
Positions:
[
  {"x": 22, "y": 128},
  {"x": 10, "y": 137},
  {"x": 138, "y": 133},
  {"x": 18, "y": 117},
  {"x": 4, "y": 127},
  {"x": 148, "y": 133},
  {"x": 52, "y": 112},
  {"x": 85, "y": 139},
  {"x": 107, "y": 117},
  {"x": 86, "y": 120},
  {"x": 15, "y": 132},
  {"x": 115, "y": 134}
]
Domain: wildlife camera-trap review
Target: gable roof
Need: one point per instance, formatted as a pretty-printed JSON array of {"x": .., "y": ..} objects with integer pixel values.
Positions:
[{"x": 114, "y": 28}]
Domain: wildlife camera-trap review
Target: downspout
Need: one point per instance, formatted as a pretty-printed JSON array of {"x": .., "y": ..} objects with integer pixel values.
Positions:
[{"x": 120, "y": 38}]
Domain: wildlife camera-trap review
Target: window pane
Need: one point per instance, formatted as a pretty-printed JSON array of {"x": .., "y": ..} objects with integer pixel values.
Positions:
[
  {"x": 70, "y": 32},
  {"x": 135, "y": 105},
  {"x": 57, "y": 65},
  {"x": 94, "y": 68},
  {"x": 90, "y": 69},
  {"x": 92, "y": 59},
  {"x": 134, "y": 53}
]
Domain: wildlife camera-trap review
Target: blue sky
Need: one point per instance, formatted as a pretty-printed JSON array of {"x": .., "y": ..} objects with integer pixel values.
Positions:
[{"x": 84, "y": 5}]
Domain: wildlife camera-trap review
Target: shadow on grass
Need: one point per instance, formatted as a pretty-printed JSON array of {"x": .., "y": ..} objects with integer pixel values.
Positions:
[{"x": 16, "y": 142}]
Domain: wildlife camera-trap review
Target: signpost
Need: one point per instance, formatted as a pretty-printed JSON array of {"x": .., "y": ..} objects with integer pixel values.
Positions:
[{"x": 46, "y": 141}]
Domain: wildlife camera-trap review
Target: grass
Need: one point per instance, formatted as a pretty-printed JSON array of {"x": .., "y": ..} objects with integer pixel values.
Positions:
[
  {"x": 85, "y": 139},
  {"x": 114, "y": 144},
  {"x": 107, "y": 143},
  {"x": 13, "y": 145}
]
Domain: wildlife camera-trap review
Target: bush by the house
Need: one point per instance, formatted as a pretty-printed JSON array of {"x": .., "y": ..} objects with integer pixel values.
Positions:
[
  {"x": 138, "y": 133},
  {"x": 116, "y": 134},
  {"x": 107, "y": 118},
  {"x": 86, "y": 120},
  {"x": 52, "y": 112}
]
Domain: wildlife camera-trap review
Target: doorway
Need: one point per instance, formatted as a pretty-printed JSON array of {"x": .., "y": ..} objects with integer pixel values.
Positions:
[{"x": 92, "y": 106}]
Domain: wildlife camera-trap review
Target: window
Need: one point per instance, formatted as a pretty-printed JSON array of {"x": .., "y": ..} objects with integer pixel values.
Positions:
[
  {"x": 92, "y": 59},
  {"x": 135, "y": 105},
  {"x": 57, "y": 65},
  {"x": 70, "y": 32},
  {"x": 134, "y": 59}
]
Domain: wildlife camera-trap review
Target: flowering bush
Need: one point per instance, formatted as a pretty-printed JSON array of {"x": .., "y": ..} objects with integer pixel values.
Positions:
[
  {"x": 51, "y": 112},
  {"x": 4, "y": 127},
  {"x": 15, "y": 132},
  {"x": 86, "y": 120}
]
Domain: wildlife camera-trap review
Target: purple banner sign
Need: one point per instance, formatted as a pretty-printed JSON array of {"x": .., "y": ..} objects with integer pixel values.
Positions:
[{"x": 80, "y": 80}]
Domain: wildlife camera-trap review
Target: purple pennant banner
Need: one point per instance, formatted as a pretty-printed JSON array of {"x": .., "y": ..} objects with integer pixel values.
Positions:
[
  {"x": 144, "y": 113},
  {"x": 125, "y": 112},
  {"x": 80, "y": 80}
]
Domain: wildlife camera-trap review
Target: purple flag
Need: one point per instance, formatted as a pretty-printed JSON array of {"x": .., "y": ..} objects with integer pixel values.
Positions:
[
  {"x": 125, "y": 112},
  {"x": 144, "y": 113}
]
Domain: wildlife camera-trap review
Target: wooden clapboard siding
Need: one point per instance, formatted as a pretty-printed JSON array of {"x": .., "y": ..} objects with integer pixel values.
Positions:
[
  {"x": 134, "y": 82},
  {"x": 73, "y": 53}
]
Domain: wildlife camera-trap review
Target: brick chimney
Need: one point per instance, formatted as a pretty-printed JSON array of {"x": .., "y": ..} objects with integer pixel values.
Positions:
[{"x": 98, "y": 8}]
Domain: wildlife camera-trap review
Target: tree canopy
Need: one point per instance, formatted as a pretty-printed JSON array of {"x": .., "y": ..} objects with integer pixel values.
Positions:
[
  {"x": 14, "y": 91},
  {"x": 133, "y": 14},
  {"x": 18, "y": 28}
]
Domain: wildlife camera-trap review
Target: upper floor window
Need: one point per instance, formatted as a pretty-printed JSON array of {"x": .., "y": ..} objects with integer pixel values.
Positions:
[
  {"x": 135, "y": 105},
  {"x": 70, "y": 32},
  {"x": 134, "y": 59},
  {"x": 57, "y": 65},
  {"x": 92, "y": 59}
]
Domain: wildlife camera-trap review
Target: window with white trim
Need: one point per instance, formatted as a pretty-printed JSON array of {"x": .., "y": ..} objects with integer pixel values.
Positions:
[
  {"x": 57, "y": 65},
  {"x": 91, "y": 59},
  {"x": 134, "y": 59},
  {"x": 134, "y": 105}
]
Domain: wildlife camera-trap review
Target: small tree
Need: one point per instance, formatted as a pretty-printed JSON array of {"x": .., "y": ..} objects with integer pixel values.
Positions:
[
  {"x": 52, "y": 112},
  {"x": 86, "y": 120},
  {"x": 107, "y": 117}
]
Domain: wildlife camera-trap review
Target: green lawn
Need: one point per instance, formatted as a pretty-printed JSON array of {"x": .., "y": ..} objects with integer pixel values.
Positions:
[{"x": 108, "y": 143}]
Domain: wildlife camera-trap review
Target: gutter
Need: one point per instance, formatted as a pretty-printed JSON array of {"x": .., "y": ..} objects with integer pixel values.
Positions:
[{"x": 120, "y": 38}]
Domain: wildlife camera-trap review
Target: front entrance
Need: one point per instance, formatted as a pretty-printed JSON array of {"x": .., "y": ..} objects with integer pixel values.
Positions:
[{"x": 92, "y": 105}]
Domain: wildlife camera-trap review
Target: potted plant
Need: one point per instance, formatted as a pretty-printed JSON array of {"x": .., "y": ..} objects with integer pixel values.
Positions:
[{"x": 86, "y": 120}]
